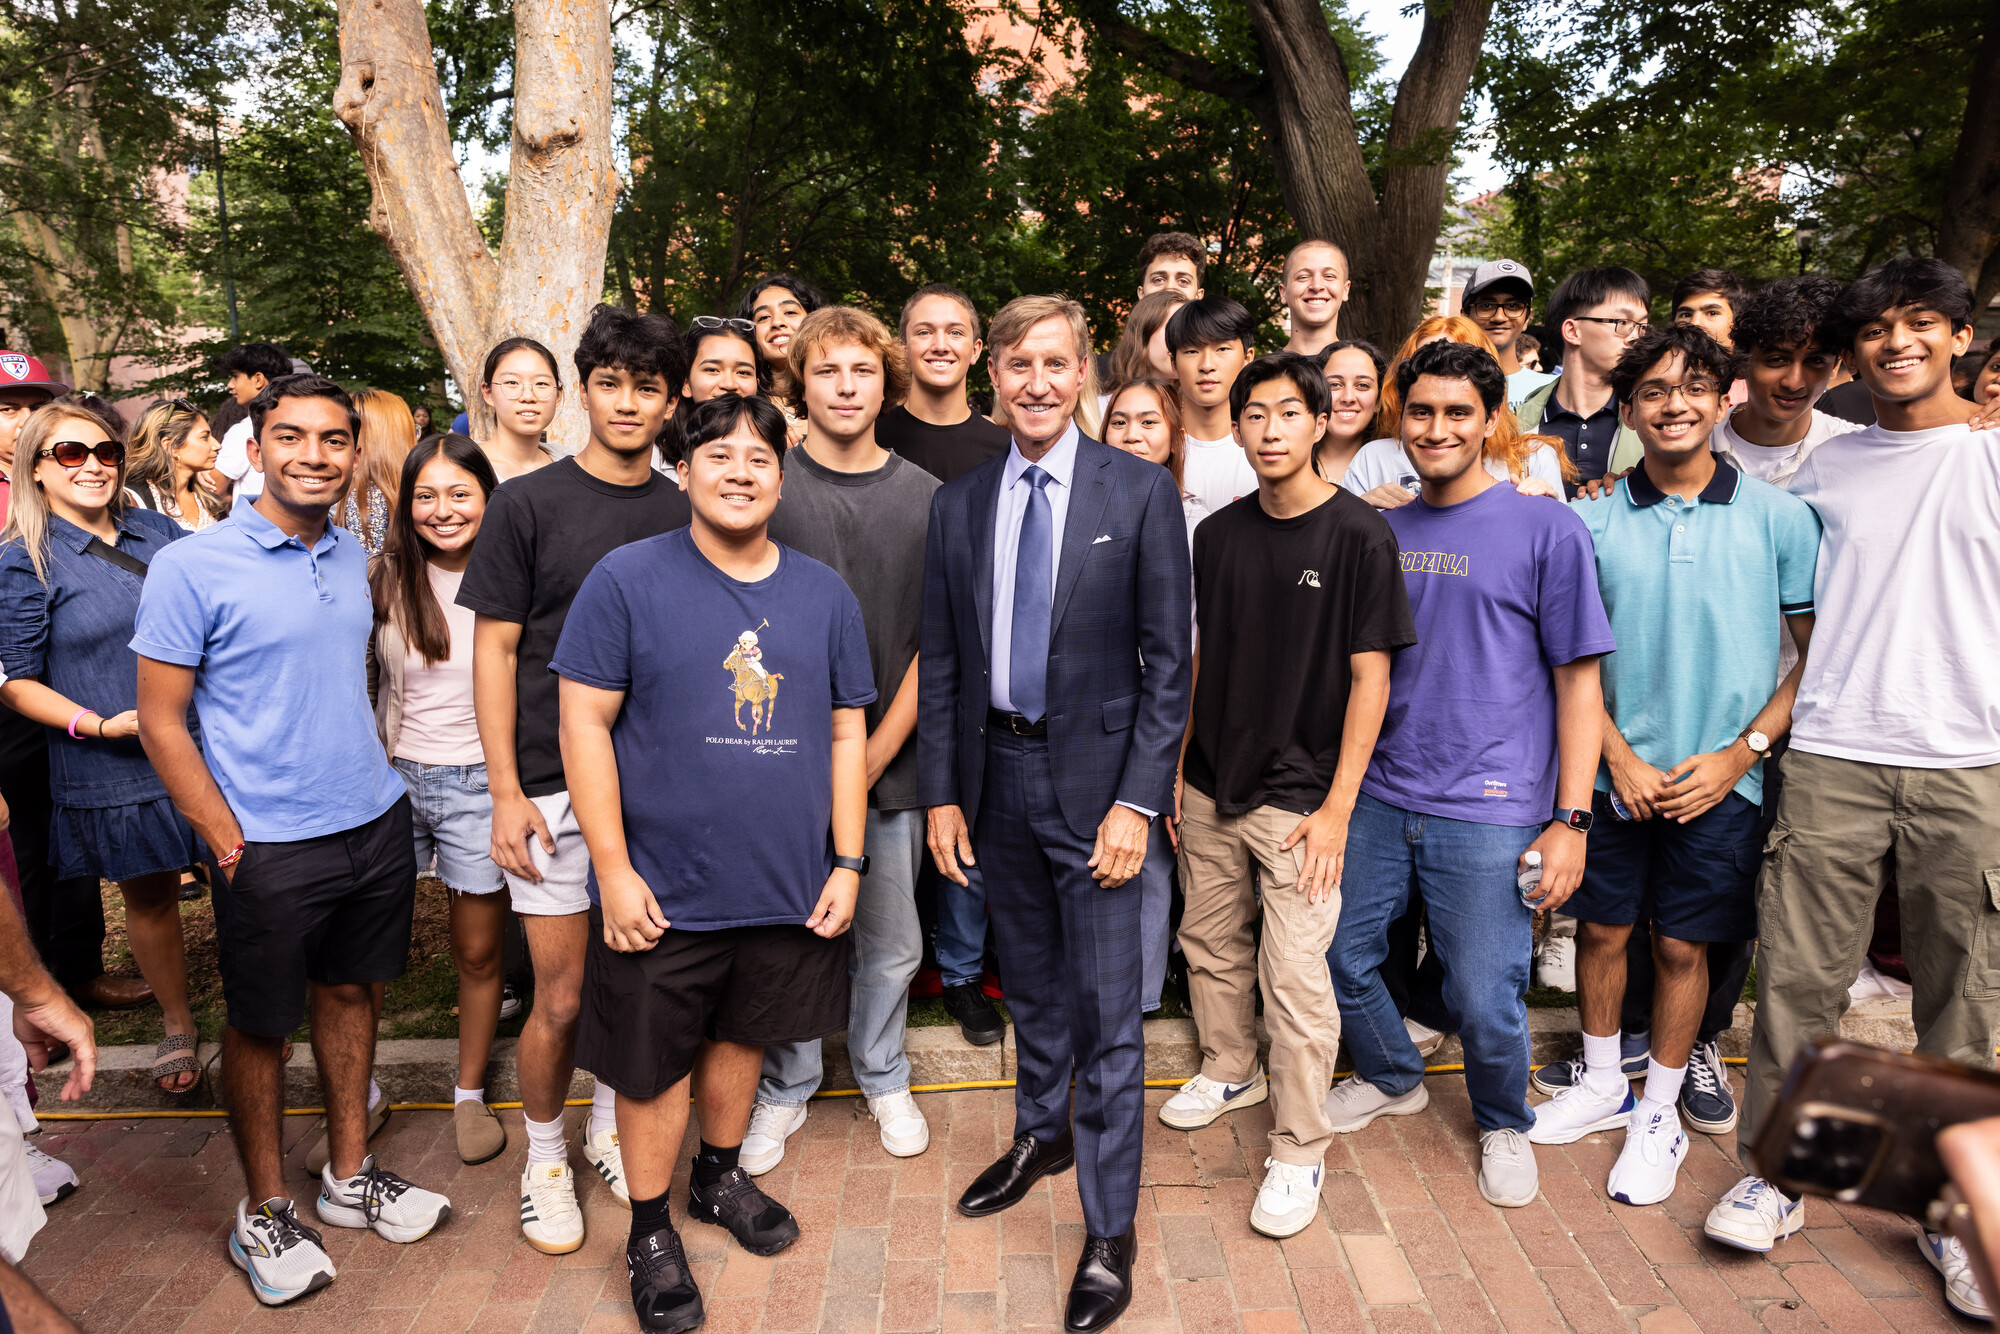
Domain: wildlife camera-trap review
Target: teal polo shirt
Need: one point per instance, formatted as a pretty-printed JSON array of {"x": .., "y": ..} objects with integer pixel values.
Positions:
[{"x": 1697, "y": 592}]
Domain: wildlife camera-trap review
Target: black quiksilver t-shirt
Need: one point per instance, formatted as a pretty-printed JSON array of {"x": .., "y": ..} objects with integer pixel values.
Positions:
[{"x": 1281, "y": 605}]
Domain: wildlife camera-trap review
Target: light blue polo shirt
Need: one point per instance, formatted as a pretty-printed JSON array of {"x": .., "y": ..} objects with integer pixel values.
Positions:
[
  {"x": 278, "y": 636},
  {"x": 1696, "y": 592}
]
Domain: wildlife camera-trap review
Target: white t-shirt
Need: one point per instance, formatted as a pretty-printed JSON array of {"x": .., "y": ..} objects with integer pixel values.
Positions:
[
  {"x": 1216, "y": 472},
  {"x": 1522, "y": 384},
  {"x": 1905, "y": 661},
  {"x": 1776, "y": 465},
  {"x": 1383, "y": 461},
  {"x": 232, "y": 460},
  {"x": 438, "y": 722}
]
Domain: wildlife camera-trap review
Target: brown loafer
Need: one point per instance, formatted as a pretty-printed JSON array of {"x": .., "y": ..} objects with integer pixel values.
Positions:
[
  {"x": 106, "y": 992},
  {"x": 481, "y": 1137}
]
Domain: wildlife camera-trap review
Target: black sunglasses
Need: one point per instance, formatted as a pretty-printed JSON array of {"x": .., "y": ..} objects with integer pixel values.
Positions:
[
  {"x": 709, "y": 323},
  {"x": 72, "y": 453}
]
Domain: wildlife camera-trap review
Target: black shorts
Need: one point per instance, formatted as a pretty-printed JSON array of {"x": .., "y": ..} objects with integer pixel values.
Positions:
[
  {"x": 645, "y": 1015},
  {"x": 1695, "y": 881},
  {"x": 334, "y": 909}
]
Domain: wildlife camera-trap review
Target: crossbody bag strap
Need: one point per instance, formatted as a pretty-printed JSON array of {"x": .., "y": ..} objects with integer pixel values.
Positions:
[{"x": 104, "y": 551}]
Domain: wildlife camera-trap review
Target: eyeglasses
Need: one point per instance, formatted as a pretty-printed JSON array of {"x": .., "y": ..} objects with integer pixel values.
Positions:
[
  {"x": 1694, "y": 393},
  {"x": 513, "y": 388},
  {"x": 72, "y": 453},
  {"x": 1487, "y": 305},
  {"x": 710, "y": 323},
  {"x": 1623, "y": 328}
]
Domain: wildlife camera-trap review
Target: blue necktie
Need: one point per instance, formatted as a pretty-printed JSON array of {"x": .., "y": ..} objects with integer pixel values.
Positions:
[{"x": 1028, "y": 653}]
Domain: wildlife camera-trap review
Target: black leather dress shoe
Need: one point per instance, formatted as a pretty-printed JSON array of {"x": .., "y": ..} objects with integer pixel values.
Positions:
[
  {"x": 1004, "y": 1183},
  {"x": 1102, "y": 1288}
]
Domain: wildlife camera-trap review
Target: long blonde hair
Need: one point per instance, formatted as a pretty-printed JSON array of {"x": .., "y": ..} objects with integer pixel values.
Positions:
[
  {"x": 27, "y": 505},
  {"x": 1508, "y": 446},
  {"x": 1128, "y": 360},
  {"x": 150, "y": 457},
  {"x": 388, "y": 434}
]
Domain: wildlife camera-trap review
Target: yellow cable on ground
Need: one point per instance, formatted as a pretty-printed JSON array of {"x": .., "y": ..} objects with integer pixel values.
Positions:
[{"x": 964, "y": 1086}]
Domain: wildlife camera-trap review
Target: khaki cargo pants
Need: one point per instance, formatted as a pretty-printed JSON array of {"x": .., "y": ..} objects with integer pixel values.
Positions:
[
  {"x": 1839, "y": 822},
  {"x": 1226, "y": 962}
]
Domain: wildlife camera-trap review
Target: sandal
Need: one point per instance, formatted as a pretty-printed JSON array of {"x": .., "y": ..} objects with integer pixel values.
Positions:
[{"x": 174, "y": 1057}]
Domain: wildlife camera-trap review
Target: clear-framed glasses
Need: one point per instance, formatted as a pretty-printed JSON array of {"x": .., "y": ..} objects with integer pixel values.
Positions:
[
  {"x": 1694, "y": 393},
  {"x": 710, "y": 323},
  {"x": 1485, "y": 306},
  {"x": 513, "y": 386},
  {"x": 1623, "y": 328}
]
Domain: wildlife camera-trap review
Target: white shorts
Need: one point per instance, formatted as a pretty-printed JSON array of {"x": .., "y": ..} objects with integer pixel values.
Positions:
[{"x": 560, "y": 891}]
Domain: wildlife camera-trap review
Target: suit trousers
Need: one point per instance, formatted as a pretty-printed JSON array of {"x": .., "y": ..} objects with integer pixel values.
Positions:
[{"x": 1070, "y": 964}]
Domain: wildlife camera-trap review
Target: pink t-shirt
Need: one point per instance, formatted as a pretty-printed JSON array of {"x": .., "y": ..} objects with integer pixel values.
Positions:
[{"x": 438, "y": 722}]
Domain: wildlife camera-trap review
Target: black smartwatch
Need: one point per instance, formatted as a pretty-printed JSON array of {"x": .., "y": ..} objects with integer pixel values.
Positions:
[
  {"x": 858, "y": 865},
  {"x": 1576, "y": 819}
]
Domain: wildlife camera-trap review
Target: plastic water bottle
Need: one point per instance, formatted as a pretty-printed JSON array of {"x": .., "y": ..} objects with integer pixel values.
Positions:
[{"x": 1530, "y": 878}]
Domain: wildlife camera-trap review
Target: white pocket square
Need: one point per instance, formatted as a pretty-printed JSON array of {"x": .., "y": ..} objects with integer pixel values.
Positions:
[{"x": 1105, "y": 538}]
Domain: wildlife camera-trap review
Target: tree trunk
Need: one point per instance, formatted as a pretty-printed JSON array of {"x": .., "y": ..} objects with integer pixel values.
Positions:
[
  {"x": 560, "y": 195},
  {"x": 1969, "y": 223}
]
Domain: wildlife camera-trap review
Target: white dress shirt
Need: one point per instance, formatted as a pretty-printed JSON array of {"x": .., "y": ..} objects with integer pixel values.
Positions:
[{"x": 1060, "y": 464}]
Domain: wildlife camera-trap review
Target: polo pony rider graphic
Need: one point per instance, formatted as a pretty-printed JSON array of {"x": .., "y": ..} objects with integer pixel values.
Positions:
[{"x": 754, "y": 685}]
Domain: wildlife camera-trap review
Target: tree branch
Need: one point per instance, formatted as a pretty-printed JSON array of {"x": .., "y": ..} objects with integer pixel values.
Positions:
[{"x": 1156, "y": 53}]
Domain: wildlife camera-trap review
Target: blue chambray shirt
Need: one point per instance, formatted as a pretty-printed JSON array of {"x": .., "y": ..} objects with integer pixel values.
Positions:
[{"x": 278, "y": 636}]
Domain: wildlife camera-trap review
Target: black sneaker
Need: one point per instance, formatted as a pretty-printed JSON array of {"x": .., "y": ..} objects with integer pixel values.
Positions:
[
  {"x": 1706, "y": 1098},
  {"x": 977, "y": 1017},
  {"x": 759, "y": 1223},
  {"x": 664, "y": 1296}
]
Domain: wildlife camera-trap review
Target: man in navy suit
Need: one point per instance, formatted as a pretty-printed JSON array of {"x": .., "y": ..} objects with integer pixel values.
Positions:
[{"x": 1053, "y": 696}]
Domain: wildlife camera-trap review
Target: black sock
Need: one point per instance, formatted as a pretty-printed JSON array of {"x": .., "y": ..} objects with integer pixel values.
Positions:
[
  {"x": 712, "y": 1164},
  {"x": 649, "y": 1216}
]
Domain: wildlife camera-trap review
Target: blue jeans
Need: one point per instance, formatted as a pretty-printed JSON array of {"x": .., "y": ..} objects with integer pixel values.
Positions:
[
  {"x": 1479, "y": 928},
  {"x": 961, "y": 925},
  {"x": 888, "y": 947}
]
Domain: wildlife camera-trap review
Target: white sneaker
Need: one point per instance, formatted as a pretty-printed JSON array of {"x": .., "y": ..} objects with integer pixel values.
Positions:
[
  {"x": 1873, "y": 984},
  {"x": 601, "y": 1151},
  {"x": 550, "y": 1218},
  {"x": 905, "y": 1133},
  {"x": 1354, "y": 1103},
  {"x": 281, "y": 1255},
  {"x": 1580, "y": 1110},
  {"x": 1201, "y": 1100},
  {"x": 1508, "y": 1175},
  {"x": 1754, "y": 1216},
  {"x": 764, "y": 1142},
  {"x": 1287, "y": 1200},
  {"x": 1555, "y": 963},
  {"x": 54, "y": 1179},
  {"x": 377, "y": 1198},
  {"x": 1961, "y": 1285},
  {"x": 1428, "y": 1039},
  {"x": 1650, "y": 1162}
]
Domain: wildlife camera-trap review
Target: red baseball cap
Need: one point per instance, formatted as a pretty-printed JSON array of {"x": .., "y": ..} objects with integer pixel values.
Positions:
[{"x": 20, "y": 371}]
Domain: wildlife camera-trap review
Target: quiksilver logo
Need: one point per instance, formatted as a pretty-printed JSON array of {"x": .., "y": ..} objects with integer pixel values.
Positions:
[{"x": 1310, "y": 578}]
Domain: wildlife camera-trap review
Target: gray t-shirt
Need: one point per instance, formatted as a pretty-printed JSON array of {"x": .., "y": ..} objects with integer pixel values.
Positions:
[{"x": 870, "y": 527}]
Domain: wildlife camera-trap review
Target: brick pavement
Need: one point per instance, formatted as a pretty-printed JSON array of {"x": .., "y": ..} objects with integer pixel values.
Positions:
[{"x": 1403, "y": 1245}]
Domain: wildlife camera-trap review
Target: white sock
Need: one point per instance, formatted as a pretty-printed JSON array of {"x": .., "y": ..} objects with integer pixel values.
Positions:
[
  {"x": 545, "y": 1140},
  {"x": 374, "y": 1094},
  {"x": 603, "y": 1110},
  {"x": 459, "y": 1095},
  {"x": 1600, "y": 1065},
  {"x": 1663, "y": 1084}
]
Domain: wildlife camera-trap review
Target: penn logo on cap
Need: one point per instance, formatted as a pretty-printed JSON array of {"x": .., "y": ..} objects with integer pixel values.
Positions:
[{"x": 14, "y": 365}]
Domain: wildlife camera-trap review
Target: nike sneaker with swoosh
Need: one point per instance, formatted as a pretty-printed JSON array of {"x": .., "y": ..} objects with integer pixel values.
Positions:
[{"x": 1201, "y": 1100}]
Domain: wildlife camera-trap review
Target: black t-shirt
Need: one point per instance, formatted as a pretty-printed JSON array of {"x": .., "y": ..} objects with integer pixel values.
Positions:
[
  {"x": 944, "y": 452},
  {"x": 543, "y": 532},
  {"x": 1849, "y": 402},
  {"x": 1281, "y": 604}
]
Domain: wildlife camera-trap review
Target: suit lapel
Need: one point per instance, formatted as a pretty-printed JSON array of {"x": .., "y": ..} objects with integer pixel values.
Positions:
[
  {"x": 984, "y": 500},
  {"x": 1080, "y": 528}
]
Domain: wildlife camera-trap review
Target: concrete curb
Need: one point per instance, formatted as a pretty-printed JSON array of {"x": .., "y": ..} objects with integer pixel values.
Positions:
[{"x": 425, "y": 1070}]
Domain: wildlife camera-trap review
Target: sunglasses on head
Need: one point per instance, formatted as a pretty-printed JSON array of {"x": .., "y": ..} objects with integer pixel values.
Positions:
[
  {"x": 710, "y": 323},
  {"x": 72, "y": 453}
]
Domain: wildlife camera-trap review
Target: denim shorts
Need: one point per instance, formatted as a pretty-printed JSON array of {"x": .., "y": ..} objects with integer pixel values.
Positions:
[{"x": 453, "y": 823}]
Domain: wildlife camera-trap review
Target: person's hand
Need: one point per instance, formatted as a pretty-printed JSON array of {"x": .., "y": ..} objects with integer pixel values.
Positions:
[
  {"x": 1536, "y": 486},
  {"x": 633, "y": 922},
  {"x": 1699, "y": 781},
  {"x": 56, "y": 1019},
  {"x": 1174, "y": 825},
  {"x": 516, "y": 819},
  {"x": 1970, "y": 1151},
  {"x": 213, "y": 482},
  {"x": 1988, "y": 415},
  {"x": 1562, "y": 851},
  {"x": 1636, "y": 782},
  {"x": 1388, "y": 496},
  {"x": 119, "y": 725},
  {"x": 834, "y": 912},
  {"x": 1120, "y": 849},
  {"x": 1601, "y": 486},
  {"x": 1325, "y": 835},
  {"x": 950, "y": 842}
]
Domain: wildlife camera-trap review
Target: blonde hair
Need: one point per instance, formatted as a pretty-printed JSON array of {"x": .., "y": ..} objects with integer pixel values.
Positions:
[
  {"x": 1011, "y": 326},
  {"x": 1128, "y": 360},
  {"x": 851, "y": 327},
  {"x": 28, "y": 506},
  {"x": 149, "y": 456},
  {"x": 388, "y": 433},
  {"x": 1508, "y": 446}
]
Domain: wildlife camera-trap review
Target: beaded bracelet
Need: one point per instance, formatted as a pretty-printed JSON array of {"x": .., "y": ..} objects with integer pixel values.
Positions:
[{"x": 230, "y": 858}]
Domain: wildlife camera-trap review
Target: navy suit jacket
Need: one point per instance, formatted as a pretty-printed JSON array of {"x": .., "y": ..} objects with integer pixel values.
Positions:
[{"x": 1120, "y": 640}]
